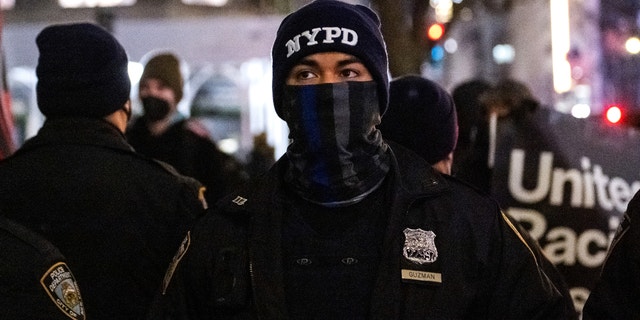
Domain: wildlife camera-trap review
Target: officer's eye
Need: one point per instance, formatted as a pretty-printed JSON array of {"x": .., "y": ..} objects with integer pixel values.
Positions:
[
  {"x": 305, "y": 75},
  {"x": 354, "y": 70},
  {"x": 349, "y": 73}
]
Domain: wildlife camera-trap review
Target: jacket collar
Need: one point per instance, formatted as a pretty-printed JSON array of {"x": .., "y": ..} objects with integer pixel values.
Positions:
[
  {"x": 410, "y": 176},
  {"x": 413, "y": 175},
  {"x": 78, "y": 131}
]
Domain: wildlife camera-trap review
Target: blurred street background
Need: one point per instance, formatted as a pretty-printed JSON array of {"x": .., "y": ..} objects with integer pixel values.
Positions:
[{"x": 577, "y": 56}]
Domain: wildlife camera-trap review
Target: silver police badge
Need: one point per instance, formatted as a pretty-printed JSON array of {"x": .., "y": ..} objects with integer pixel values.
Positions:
[{"x": 419, "y": 246}]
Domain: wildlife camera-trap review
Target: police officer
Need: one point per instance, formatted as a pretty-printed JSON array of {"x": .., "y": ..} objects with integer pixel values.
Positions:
[
  {"x": 422, "y": 116},
  {"x": 347, "y": 225},
  {"x": 117, "y": 216}
]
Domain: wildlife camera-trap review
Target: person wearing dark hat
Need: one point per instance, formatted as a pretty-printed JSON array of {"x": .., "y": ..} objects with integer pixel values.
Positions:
[
  {"x": 35, "y": 279},
  {"x": 470, "y": 158},
  {"x": 422, "y": 117},
  {"x": 163, "y": 133},
  {"x": 347, "y": 225},
  {"x": 115, "y": 215}
]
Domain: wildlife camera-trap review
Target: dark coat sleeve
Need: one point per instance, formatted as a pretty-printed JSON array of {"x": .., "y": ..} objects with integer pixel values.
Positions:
[
  {"x": 208, "y": 277},
  {"x": 617, "y": 292},
  {"x": 530, "y": 286}
]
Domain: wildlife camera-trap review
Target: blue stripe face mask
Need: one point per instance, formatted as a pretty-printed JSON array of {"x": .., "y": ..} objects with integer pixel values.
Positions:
[{"x": 337, "y": 154}]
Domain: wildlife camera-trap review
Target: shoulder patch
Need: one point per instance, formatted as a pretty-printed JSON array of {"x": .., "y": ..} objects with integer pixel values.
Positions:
[{"x": 62, "y": 288}]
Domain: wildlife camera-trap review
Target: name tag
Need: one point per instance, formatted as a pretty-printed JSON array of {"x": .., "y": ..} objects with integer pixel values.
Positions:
[{"x": 423, "y": 276}]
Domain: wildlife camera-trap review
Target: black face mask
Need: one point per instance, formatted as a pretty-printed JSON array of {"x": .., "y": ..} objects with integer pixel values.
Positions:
[
  {"x": 155, "y": 109},
  {"x": 337, "y": 153}
]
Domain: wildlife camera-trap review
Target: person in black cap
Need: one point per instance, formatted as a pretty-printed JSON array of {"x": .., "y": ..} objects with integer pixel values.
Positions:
[
  {"x": 422, "y": 117},
  {"x": 35, "y": 280},
  {"x": 347, "y": 225},
  {"x": 116, "y": 216},
  {"x": 163, "y": 133}
]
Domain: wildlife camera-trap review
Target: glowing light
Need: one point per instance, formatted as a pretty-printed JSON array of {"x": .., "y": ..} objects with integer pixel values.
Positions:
[
  {"x": 614, "y": 114},
  {"x": 437, "y": 53},
  {"x": 503, "y": 53},
  {"x": 451, "y": 45},
  {"x": 135, "y": 70},
  {"x": 444, "y": 11},
  {"x": 7, "y": 4},
  {"x": 581, "y": 110},
  {"x": 229, "y": 145},
  {"x": 435, "y": 31},
  {"x": 560, "y": 45},
  {"x": 632, "y": 45}
]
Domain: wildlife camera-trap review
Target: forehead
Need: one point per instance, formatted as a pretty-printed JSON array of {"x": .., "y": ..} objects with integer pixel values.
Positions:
[{"x": 329, "y": 58}]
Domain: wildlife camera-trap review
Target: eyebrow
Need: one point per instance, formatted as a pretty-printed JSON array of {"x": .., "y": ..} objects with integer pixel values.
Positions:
[{"x": 312, "y": 63}]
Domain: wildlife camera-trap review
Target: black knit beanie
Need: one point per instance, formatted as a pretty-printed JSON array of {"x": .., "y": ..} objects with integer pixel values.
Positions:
[
  {"x": 421, "y": 117},
  {"x": 325, "y": 26},
  {"x": 82, "y": 71},
  {"x": 165, "y": 67}
]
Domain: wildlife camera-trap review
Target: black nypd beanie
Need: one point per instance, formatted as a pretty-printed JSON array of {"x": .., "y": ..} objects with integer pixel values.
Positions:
[
  {"x": 422, "y": 117},
  {"x": 325, "y": 26},
  {"x": 82, "y": 71}
]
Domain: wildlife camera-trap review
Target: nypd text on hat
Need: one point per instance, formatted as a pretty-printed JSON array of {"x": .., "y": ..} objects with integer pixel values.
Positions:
[{"x": 322, "y": 35}]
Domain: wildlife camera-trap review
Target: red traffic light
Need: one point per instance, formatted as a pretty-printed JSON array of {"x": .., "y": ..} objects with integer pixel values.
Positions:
[
  {"x": 613, "y": 114},
  {"x": 435, "y": 31}
]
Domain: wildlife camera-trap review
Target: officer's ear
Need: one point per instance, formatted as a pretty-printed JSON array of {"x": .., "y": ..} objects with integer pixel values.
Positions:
[
  {"x": 127, "y": 109},
  {"x": 120, "y": 117}
]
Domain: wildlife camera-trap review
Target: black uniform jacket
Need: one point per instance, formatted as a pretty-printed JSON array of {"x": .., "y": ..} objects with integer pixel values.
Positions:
[
  {"x": 230, "y": 267},
  {"x": 116, "y": 216}
]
